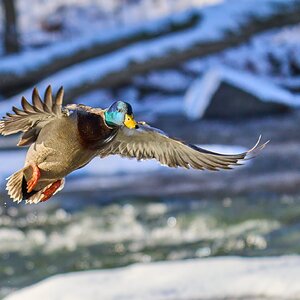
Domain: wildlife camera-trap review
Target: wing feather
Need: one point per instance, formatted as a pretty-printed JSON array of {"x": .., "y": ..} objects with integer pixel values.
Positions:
[
  {"x": 150, "y": 143},
  {"x": 27, "y": 106},
  {"x": 56, "y": 108},
  {"x": 32, "y": 117},
  {"x": 48, "y": 100},
  {"x": 37, "y": 101}
]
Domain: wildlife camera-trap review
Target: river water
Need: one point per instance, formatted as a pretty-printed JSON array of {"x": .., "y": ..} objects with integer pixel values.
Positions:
[{"x": 43, "y": 240}]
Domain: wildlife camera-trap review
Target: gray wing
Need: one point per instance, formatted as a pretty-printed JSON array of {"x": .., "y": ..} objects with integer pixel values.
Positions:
[
  {"x": 32, "y": 117},
  {"x": 150, "y": 143}
]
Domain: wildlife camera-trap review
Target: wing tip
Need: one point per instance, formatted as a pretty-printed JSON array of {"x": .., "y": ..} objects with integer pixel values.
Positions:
[
  {"x": 252, "y": 153},
  {"x": 255, "y": 150}
]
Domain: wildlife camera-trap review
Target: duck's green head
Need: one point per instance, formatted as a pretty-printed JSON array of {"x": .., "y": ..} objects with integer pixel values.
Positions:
[{"x": 120, "y": 113}]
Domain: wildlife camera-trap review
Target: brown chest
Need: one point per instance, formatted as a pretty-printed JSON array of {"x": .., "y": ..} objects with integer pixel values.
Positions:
[{"x": 92, "y": 130}]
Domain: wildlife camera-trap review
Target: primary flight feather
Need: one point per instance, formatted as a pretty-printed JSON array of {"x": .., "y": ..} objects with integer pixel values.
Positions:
[{"x": 64, "y": 139}]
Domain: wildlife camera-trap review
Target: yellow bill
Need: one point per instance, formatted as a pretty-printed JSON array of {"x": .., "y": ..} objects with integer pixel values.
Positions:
[{"x": 130, "y": 122}]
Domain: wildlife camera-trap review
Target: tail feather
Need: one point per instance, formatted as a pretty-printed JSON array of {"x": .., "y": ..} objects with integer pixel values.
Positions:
[
  {"x": 36, "y": 197},
  {"x": 14, "y": 186},
  {"x": 17, "y": 188}
]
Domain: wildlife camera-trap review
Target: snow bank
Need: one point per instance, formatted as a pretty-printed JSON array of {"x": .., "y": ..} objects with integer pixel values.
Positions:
[
  {"x": 200, "y": 93},
  {"x": 212, "y": 278}
]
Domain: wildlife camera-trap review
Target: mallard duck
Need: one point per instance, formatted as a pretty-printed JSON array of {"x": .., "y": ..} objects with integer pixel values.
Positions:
[{"x": 64, "y": 139}]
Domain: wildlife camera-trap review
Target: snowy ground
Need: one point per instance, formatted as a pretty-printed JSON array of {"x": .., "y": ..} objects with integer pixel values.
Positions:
[{"x": 213, "y": 278}]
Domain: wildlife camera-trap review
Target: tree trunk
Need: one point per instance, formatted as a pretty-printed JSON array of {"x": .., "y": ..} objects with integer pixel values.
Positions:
[{"x": 11, "y": 41}]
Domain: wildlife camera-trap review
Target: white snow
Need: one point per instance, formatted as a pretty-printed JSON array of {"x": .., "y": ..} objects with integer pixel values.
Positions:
[
  {"x": 167, "y": 80},
  {"x": 210, "y": 278},
  {"x": 81, "y": 16},
  {"x": 269, "y": 55},
  {"x": 31, "y": 59},
  {"x": 200, "y": 93},
  {"x": 216, "y": 20}
]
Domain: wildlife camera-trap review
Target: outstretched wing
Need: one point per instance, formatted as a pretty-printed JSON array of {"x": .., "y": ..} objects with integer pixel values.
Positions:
[
  {"x": 33, "y": 116},
  {"x": 150, "y": 143}
]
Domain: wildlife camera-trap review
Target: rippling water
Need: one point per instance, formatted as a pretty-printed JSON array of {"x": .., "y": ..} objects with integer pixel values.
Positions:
[{"x": 41, "y": 241}]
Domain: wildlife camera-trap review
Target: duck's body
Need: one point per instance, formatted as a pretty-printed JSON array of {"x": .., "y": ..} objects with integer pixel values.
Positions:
[
  {"x": 63, "y": 140},
  {"x": 57, "y": 151},
  {"x": 63, "y": 144}
]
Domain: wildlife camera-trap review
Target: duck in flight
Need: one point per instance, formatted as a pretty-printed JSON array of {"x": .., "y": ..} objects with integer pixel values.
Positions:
[{"x": 64, "y": 139}]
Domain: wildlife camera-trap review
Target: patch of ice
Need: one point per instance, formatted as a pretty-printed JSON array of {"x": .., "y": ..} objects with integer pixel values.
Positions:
[{"x": 213, "y": 278}]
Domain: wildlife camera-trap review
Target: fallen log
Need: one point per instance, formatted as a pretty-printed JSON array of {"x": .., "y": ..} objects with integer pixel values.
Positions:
[{"x": 28, "y": 67}]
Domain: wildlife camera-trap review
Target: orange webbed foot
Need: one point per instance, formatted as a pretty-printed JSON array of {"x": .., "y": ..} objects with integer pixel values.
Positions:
[
  {"x": 50, "y": 191},
  {"x": 36, "y": 174}
]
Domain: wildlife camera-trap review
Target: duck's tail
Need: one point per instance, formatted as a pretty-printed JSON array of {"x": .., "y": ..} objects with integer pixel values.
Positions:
[
  {"x": 17, "y": 188},
  {"x": 45, "y": 193},
  {"x": 15, "y": 185}
]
